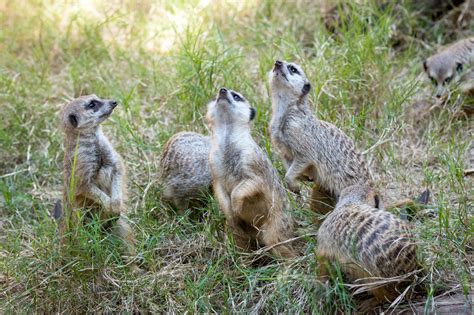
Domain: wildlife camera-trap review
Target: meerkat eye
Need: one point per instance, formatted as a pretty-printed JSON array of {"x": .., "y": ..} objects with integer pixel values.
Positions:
[
  {"x": 292, "y": 69},
  {"x": 459, "y": 68},
  {"x": 448, "y": 79},
  {"x": 433, "y": 81},
  {"x": 93, "y": 104},
  {"x": 236, "y": 97}
]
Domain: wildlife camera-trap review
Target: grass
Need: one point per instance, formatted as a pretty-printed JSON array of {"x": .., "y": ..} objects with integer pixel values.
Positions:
[{"x": 163, "y": 61}]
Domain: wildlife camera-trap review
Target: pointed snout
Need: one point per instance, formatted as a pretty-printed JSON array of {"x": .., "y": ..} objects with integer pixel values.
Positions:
[
  {"x": 222, "y": 94},
  {"x": 440, "y": 90},
  {"x": 113, "y": 103},
  {"x": 278, "y": 65}
]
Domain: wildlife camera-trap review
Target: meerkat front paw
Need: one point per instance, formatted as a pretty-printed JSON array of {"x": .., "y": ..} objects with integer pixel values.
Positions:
[{"x": 115, "y": 206}]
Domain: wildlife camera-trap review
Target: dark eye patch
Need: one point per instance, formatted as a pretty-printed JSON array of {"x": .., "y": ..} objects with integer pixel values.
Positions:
[
  {"x": 447, "y": 80},
  {"x": 94, "y": 104},
  {"x": 236, "y": 97},
  {"x": 433, "y": 81},
  {"x": 292, "y": 69}
]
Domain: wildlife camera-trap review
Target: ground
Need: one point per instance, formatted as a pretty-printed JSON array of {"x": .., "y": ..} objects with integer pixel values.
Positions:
[{"x": 163, "y": 61}]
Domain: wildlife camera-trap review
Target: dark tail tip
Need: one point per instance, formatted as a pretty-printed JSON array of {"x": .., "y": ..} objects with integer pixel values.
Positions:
[
  {"x": 57, "y": 211},
  {"x": 424, "y": 198}
]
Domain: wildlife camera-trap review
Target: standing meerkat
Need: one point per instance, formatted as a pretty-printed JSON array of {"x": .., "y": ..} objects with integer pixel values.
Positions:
[
  {"x": 94, "y": 174},
  {"x": 449, "y": 65},
  {"x": 184, "y": 169},
  {"x": 367, "y": 242},
  {"x": 245, "y": 183},
  {"x": 311, "y": 149}
]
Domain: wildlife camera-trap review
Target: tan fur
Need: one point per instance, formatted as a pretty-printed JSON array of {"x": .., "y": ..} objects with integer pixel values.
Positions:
[
  {"x": 184, "y": 169},
  {"x": 311, "y": 149},
  {"x": 94, "y": 174},
  {"x": 451, "y": 65},
  {"x": 245, "y": 183},
  {"x": 367, "y": 242}
]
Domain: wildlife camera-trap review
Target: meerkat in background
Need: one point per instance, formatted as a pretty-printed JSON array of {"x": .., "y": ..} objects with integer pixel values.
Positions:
[
  {"x": 450, "y": 65},
  {"x": 94, "y": 174},
  {"x": 311, "y": 149},
  {"x": 185, "y": 172},
  {"x": 244, "y": 181},
  {"x": 367, "y": 242}
]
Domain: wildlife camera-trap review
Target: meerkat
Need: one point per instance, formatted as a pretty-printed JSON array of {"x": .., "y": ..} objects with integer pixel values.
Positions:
[
  {"x": 367, "y": 242},
  {"x": 245, "y": 183},
  {"x": 450, "y": 65},
  {"x": 184, "y": 169},
  {"x": 311, "y": 149},
  {"x": 94, "y": 174}
]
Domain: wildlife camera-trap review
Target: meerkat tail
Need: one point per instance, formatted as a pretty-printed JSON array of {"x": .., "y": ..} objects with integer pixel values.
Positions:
[{"x": 56, "y": 212}]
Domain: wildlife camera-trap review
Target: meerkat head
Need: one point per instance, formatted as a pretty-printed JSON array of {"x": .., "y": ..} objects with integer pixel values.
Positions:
[
  {"x": 442, "y": 70},
  {"x": 86, "y": 113},
  {"x": 229, "y": 107},
  {"x": 289, "y": 79},
  {"x": 359, "y": 194}
]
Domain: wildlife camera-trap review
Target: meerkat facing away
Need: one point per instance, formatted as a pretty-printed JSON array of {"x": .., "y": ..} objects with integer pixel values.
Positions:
[
  {"x": 184, "y": 169},
  {"x": 450, "y": 65},
  {"x": 244, "y": 181},
  {"x": 311, "y": 149},
  {"x": 367, "y": 242},
  {"x": 94, "y": 174}
]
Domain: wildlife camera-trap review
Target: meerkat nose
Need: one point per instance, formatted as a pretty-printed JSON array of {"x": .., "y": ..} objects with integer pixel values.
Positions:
[
  {"x": 223, "y": 91},
  {"x": 113, "y": 103},
  {"x": 278, "y": 63}
]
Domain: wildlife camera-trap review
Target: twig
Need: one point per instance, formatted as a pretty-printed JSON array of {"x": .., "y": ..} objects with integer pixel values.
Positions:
[
  {"x": 267, "y": 248},
  {"x": 13, "y": 173}
]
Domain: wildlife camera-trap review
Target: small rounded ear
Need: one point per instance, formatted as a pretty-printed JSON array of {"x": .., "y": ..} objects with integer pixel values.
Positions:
[
  {"x": 73, "y": 120},
  {"x": 253, "y": 112},
  {"x": 377, "y": 201},
  {"x": 459, "y": 67},
  {"x": 306, "y": 88},
  {"x": 425, "y": 65}
]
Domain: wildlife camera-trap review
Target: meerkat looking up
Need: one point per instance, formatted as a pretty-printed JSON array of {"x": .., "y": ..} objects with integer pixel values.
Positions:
[
  {"x": 245, "y": 183},
  {"x": 311, "y": 149},
  {"x": 450, "y": 65},
  {"x": 94, "y": 174},
  {"x": 184, "y": 169},
  {"x": 367, "y": 242}
]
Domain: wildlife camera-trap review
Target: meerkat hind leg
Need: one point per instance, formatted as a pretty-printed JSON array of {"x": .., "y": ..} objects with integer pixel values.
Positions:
[{"x": 123, "y": 230}]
